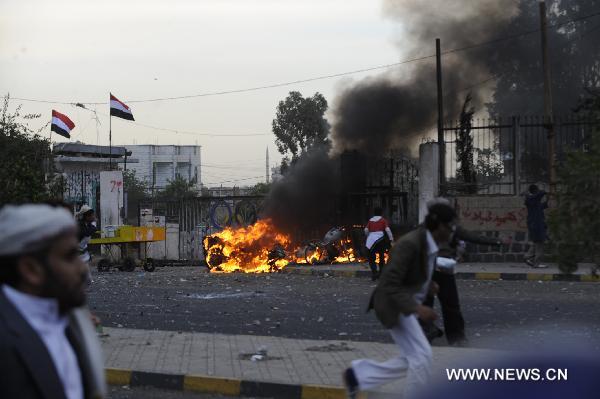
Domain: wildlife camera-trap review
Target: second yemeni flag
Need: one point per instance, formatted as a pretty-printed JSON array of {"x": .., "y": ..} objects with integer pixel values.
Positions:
[
  {"x": 61, "y": 124},
  {"x": 119, "y": 109}
]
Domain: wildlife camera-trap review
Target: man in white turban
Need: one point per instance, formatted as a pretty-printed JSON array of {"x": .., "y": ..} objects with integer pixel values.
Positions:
[{"x": 48, "y": 347}]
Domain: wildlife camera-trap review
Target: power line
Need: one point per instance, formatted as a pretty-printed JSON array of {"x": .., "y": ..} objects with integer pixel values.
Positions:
[
  {"x": 179, "y": 131},
  {"x": 249, "y": 89},
  {"x": 236, "y": 180},
  {"x": 233, "y": 167},
  {"x": 323, "y": 77},
  {"x": 199, "y": 134},
  {"x": 220, "y": 176}
]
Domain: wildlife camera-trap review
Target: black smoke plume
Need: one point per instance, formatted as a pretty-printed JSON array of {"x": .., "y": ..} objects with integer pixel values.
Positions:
[
  {"x": 396, "y": 109},
  {"x": 302, "y": 200}
]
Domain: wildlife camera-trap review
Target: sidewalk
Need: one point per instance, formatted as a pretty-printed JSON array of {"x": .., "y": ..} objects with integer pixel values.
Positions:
[
  {"x": 218, "y": 363},
  {"x": 467, "y": 271}
]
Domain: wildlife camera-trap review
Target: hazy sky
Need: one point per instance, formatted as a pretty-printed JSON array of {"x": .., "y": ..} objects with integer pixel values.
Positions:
[{"x": 79, "y": 50}]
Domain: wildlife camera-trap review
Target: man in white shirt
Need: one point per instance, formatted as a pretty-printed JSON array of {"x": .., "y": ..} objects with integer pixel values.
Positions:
[{"x": 48, "y": 348}]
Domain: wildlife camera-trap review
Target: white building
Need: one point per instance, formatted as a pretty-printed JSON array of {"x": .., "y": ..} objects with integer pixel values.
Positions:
[{"x": 157, "y": 164}]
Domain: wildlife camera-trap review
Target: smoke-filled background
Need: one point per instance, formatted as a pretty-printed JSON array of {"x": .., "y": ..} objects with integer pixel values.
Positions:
[
  {"x": 396, "y": 109},
  {"x": 301, "y": 200}
]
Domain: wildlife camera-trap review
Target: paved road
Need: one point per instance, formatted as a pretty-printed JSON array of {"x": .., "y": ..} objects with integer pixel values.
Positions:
[{"x": 499, "y": 314}]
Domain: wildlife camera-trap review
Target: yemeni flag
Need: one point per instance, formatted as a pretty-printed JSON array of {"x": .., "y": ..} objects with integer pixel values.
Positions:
[
  {"x": 61, "y": 124},
  {"x": 119, "y": 109}
]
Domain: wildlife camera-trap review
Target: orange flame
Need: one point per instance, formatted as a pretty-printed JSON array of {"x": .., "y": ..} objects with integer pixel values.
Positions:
[
  {"x": 260, "y": 248},
  {"x": 247, "y": 249}
]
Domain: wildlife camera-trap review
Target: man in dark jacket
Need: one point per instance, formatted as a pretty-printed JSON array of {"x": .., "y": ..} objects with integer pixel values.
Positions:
[
  {"x": 397, "y": 301},
  {"x": 48, "y": 346},
  {"x": 536, "y": 225},
  {"x": 454, "y": 323}
]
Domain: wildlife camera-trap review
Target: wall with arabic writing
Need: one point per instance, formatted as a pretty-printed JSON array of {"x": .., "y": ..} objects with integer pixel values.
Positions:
[
  {"x": 502, "y": 213},
  {"x": 501, "y": 217}
]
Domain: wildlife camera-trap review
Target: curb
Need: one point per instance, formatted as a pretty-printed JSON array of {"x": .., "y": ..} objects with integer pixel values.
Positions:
[
  {"x": 585, "y": 278},
  {"x": 225, "y": 386}
]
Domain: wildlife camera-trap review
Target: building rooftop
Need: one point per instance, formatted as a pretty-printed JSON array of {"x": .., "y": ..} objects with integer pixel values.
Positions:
[
  {"x": 87, "y": 150},
  {"x": 164, "y": 145}
]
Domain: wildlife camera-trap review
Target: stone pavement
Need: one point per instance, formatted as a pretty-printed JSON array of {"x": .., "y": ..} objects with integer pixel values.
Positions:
[
  {"x": 468, "y": 270},
  {"x": 218, "y": 363}
]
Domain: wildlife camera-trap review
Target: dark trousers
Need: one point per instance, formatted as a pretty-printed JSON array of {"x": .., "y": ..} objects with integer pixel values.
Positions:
[
  {"x": 454, "y": 324},
  {"x": 378, "y": 248}
]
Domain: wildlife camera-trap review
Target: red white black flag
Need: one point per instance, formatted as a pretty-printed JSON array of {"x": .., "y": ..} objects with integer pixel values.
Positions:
[
  {"x": 61, "y": 124},
  {"x": 119, "y": 109}
]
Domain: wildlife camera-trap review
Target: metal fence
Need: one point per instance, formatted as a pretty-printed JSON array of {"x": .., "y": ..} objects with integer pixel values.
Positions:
[
  {"x": 211, "y": 213},
  {"x": 510, "y": 153},
  {"x": 191, "y": 219},
  {"x": 389, "y": 181}
]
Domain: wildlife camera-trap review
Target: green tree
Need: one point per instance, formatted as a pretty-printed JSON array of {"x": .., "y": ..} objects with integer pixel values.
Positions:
[
  {"x": 574, "y": 57},
  {"x": 260, "y": 189},
  {"x": 300, "y": 124},
  {"x": 25, "y": 158},
  {"x": 137, "y": 191},
  {"x": 488, "y": 167},
  {"x": 178, "y": 189},
  {"x": 464, "y": 148},
  {"x": 575, "y": 221}
]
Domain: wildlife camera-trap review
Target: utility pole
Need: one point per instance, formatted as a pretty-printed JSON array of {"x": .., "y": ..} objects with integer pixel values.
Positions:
[
  {"x": 441, "y": 143},
  {"x": 548, "y": 114},
  {"x": 109, "y": 141},
  {"x": 267, "y": 167}
]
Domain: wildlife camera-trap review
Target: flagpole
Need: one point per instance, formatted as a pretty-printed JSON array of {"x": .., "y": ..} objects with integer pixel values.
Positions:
[{"x": 109, "y": 137}]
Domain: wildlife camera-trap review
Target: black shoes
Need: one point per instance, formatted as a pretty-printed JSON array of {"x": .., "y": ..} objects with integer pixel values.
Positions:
[{"x": 351, "y": 383}]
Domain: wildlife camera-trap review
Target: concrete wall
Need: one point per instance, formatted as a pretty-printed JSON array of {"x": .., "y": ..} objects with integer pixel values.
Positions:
[
  {"x": 492, "y": 213},
  {"x": 111, "y": 198},
  {"x": 492, "y": 216},
  {"x": 495, "y": 216},
  {"x": 429, "y": 176},
  {"x": 81, "y": 181}
]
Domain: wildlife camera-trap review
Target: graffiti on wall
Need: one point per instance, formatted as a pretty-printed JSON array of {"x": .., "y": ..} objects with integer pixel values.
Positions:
[
  {"x": 201, "y": 216},
  {"x": 81, "y": 187},
  {"x": 494, "y": 219},
  {"x": 492, "y": 213}
]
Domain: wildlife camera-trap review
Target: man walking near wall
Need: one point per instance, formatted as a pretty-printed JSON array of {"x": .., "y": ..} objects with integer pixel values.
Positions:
[
  {"x": 454, "y": 323},
  {"x": 536, "y": 225},
  {"x": 397, "y": 301}
]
